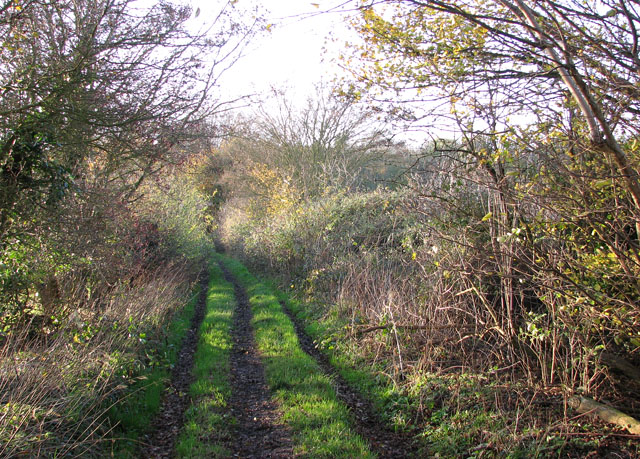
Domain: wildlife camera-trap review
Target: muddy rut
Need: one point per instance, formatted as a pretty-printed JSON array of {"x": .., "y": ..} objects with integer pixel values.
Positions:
[
  {"x": 258, "y": 432},
  {"x": 160, "y": 443}
]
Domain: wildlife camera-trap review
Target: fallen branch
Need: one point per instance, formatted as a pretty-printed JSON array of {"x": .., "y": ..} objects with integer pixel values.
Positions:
[
  {"x": 606, "y": 413},
  {"x": 386, "y": 327}
]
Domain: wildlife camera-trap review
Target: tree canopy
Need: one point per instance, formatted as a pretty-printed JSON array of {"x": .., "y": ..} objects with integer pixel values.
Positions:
[
  {"x": 569, "y": 68},
  {"x": 100, "y": 85},
  {"x": 97, "y": 96}
]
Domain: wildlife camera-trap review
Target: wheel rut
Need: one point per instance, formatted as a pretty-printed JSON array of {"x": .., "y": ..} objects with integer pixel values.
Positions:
[
  {"x": 160, "y": 442},
  {"x": 259, "y": 434},
  {"x": 385, "y": 442}
]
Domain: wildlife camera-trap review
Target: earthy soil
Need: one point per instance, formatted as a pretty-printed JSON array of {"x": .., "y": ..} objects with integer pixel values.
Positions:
[
  {"x": 259, "y": 434},
  {"x": 385, "y": 442},
  {"x": 161, "y": 441}
]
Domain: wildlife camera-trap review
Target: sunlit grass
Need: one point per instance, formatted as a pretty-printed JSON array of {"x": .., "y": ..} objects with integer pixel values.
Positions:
[
  {"x": 452, "y": 414},
  {"x": 208, "y": 428},
  {"x": 320, "y": 423}
]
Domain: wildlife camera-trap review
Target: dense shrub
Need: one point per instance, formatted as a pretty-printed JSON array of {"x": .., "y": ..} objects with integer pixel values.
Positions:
[
  {"x": 460, "y": 281},
  {"x": 92, "y": 312}
]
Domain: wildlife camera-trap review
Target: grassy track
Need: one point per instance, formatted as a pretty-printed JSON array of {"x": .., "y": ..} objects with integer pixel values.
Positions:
[
  {"x": 207, "y": 428},
  {"x": 320, "y": 423},
  {"x": 390, "y": 404}
]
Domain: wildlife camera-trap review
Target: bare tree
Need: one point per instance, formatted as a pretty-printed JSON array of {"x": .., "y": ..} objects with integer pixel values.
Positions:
[
  {"x": 106, "y": 81},
  {"x": 96, "y": 96},
  {"x": 326, "y": 142},
  {"x": 543, "y": 98}
]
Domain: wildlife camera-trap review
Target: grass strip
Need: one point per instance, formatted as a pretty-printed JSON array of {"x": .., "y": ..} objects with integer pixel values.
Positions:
[
  {"x": 207, "y": 427},
  {"x": 320, "y": 423},
  {"x": 389, "y": 402},
  {"x": 135, "y": 412}
]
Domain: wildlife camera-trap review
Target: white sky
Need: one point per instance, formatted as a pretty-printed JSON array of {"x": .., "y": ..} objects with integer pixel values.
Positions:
[
  {"x": 300, "y": 51},
  {"x": 292, "y": 55}
]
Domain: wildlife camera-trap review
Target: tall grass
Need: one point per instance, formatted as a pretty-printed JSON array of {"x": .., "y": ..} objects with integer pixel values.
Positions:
[
  {"x": 56, "y": 389},
  {"x": 86, "y": 303}
]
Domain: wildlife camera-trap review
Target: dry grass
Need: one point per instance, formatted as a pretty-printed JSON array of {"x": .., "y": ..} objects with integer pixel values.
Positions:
[
  {"x": 57, "y": 385},
  {"x": 456, "y": 310}
]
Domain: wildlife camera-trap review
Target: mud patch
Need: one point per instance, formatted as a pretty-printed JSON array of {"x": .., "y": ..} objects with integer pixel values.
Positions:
[
  {"x": 384, "y": 442},
  {"x": 259, "y": 433},
  {"x": 160, "y": 443}
]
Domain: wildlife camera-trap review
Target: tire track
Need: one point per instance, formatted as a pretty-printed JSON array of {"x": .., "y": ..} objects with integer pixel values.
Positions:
[
  {"x": 385, "y": 442},
  {"x": 160, "y": 443},
  {"x": 259, "y": 434}
]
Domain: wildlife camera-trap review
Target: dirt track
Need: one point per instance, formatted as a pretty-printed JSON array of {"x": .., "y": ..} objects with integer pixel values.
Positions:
[
  {"x": 160, "y": 443},
  {"x": 259, "y": 433},
  {"x": 385, "y": 442}
]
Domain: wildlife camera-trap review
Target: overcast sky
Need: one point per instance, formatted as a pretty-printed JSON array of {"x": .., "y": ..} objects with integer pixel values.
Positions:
[{"x": 298, "y": 52}]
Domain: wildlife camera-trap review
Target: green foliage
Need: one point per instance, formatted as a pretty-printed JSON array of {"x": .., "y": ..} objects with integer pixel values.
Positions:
[
  {"x": 564, "y": 167},
  {"x": 310, "y": 239},
  {"x": 180, "y": 212}
]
